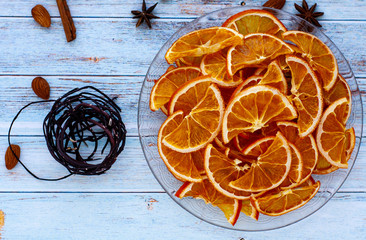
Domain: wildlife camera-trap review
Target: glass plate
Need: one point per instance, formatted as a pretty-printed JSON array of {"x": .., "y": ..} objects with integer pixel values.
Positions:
[{"x": 149, "y": 123}]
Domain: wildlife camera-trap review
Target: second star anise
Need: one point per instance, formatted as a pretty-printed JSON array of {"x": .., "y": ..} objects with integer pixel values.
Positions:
[{"x": 308, "y": 13}]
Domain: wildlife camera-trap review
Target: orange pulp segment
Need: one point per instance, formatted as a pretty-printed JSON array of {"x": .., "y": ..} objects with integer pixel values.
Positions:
[
  {"x": 286, "y": 200},
  {"x": 254, "y": 108},
  {"x": 201, "y": 124},
  {"x": 306, "y": 146},
  {"x": 221, "y": 170},
  {"x": 255, "y": 21},
  {"x": 334, "y": 142},
  {"x": 323, "y": 166},
  {"x": 205, "y": 191},
  {"x": 184, "y": 166},
  {"x": 256, "y": 49},
  {"x": 306, "y": 95},
  {"x": 249, "y": 82},
  {"x": 270, "y": 169},
  {"x": 294, "y": 176},
  {"x": 214, "y": 65},
  {"x": 318, "y": 54},
  {"x": 274, "y": 77},
  {"x": 340, "y": 90},
  {"x": 248, "y": 209},
  {"x": 169, "y": 83},
  {"x": 189, "y": 61},
  {"x": 203, "y": 41}
]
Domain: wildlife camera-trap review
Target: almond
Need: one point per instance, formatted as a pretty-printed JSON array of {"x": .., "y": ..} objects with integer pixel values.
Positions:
[
  {"x": 275, "y": 3},
  {"x": 41, "y": 15},
  {"x": 10, "y": 160},
  {"x": 41, "y": 88}
]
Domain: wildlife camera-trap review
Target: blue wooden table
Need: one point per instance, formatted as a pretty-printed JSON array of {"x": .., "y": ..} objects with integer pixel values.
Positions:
[{"x": 111, "y": 54}]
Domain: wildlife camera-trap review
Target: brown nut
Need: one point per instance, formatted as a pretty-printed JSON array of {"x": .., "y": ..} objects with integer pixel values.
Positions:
[
  {"x": 275, "y": 3},
  {"x": 41, "y": 88},
  {"x": 41, "y": 16},
  {"x": 10, "y": 160}
]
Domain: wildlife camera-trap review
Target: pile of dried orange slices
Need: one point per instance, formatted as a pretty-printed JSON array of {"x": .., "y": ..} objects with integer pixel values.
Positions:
[{"x": 253, "y": 110}]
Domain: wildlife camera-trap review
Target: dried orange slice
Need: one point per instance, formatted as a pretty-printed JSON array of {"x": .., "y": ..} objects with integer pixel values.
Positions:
[
  {"x": 169, "y": 83},
  {"x": 206, "y": 191},
  {"x": 164, "y": 109},
  {"x": 221, "y": 170},
  {"x": 306, "y": 95},
  {"x": 248, "y": 209},
  {"x": 215, "y": 65},
  {"x": 189, "y": 95},
  {"x": 323, "y": 166},
  {"x": 274, "y": 77},
  {"x": 260, "y": 71},
  {"x": 294, "y": 176},
  {"x": 306, "y": 146},
  {"x": 203, "y": 116},
  {"x": 334, "y": 142},
  {"x": 253, "y": 108},
  {"x": 255, "y": 21},
  {"x": 203, "y": 41},
  {"x": 189, "y": 61},
  {"x": 257, "y": 49},
  {"x": 285, "y": 201},
  {"x": 271, "y": 168},
  {"x": 243, "y": 140},
  {"x": 184, "y": 166},
  {"x": 171, "y": 67},
  {"x": 249, "y": 82},
  {"x": 270, "y": 130},
  {"x": 340, "y": 90},
  {"x": 308, "y": 182},
  {"x": 319, "y": 56}
]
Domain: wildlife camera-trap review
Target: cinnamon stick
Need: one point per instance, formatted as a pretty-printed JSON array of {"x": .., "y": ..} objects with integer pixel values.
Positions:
[{"x": 67, "y": 22}]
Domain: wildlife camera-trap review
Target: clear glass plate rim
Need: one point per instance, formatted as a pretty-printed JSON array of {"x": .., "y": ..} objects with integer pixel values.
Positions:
[{"x": 247, "y": 8}]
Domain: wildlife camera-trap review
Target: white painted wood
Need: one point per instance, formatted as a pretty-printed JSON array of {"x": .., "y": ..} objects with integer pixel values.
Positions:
[
  {"x": 155, "y": 216},
  {"x": 111, "y": 54},
  {"x": 175, "y": 8},
  {"x": 115, "y": 47},
  {"x": 127, "y": 89},
  {"x": 19, "y": 93},
  {"x": 130, "y": 173}
]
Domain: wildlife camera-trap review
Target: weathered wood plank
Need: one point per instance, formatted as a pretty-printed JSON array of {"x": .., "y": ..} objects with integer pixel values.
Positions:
[
  {"x": 129, "y": 174},
  {"x": 151, "y": 216},
  {"x": 19, "y": 93},
  {"x": 127, "y": 89},
  {"x": 116, "y": 47},
  {"x": 175, "y": 8}
]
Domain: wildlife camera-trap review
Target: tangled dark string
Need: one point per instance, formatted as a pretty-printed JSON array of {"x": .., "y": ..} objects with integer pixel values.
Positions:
[{"x": 82, "y": 116}]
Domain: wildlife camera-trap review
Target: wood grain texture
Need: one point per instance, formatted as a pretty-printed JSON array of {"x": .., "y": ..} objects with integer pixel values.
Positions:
[
  {"x": 129, "y": 174},
  {"x": 176, "y": 8},
  {"x": 125, "y": 88},
  {"x": 115, "y": 47},
  {"x": 111, "y": 54},
  {"x": 153, "y": 216}
]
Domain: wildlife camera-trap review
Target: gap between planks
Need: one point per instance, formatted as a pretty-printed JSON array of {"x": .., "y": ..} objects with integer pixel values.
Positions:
[
  {"x": 166, "y": 17},
  {"x": 130, "y": 192}
]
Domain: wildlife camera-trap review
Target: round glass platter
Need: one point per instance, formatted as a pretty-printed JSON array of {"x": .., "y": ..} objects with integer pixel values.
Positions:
[{"x": 149, "y": 123}]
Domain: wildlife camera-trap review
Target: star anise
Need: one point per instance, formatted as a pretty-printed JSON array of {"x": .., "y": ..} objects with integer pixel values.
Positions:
[
  {"x": 308, "y": 13},
  {"x": 145, "y": 14}
]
